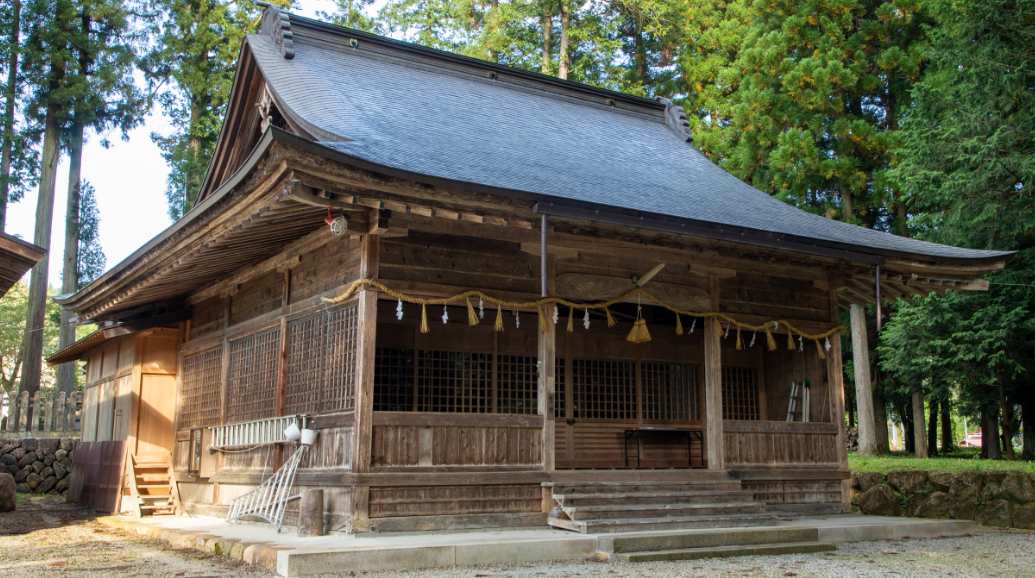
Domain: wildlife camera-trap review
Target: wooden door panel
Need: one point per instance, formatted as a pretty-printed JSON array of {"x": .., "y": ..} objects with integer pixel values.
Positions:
[{"x": 157, "y": 402}]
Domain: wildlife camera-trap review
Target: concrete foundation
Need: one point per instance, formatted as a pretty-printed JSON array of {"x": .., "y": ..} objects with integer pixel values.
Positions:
[{"x": 289, "y": 555}]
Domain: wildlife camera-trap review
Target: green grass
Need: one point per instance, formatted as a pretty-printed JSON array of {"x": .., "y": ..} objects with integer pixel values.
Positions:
[{"x": 961, "y": 461}]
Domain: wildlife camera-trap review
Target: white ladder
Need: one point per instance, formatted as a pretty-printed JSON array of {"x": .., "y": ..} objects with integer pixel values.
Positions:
[
  {"x": 269, "y": 500},
  {"x": 800, "y": 391}
]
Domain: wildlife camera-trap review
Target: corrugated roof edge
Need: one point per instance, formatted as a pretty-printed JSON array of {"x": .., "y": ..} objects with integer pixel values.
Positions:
[{"x": 449, "y": 58}]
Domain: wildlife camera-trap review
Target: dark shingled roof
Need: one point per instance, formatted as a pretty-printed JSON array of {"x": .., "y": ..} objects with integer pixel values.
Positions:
[{"x": 540, "y": 142}]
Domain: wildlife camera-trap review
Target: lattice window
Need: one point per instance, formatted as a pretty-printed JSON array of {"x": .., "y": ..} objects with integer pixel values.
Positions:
[
  {"x": 670, "y": 392},
  {"x": 393, "y": 380},
  {"x": 321, "y": 373},
  {"x": 340, "y": 355},
  {"x": 252, "y": 392},
  {"x": 199, "y": 405},
  {"x": 517, "y": 384},
  {"x": 740, "y": 393},
  {"x": 604, "y": 389},
  {"x": 560, "y": 390},
  {"x": 454, "y": 381}
]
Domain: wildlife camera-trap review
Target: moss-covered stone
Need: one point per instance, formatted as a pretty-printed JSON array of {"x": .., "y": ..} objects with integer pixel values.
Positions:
[
  {"x": 934, "y": 506},
  {"x": 994, "y": 513},
  {"x": 907, "y": 482},
  {"x": 941, "y": 481},
  {"x": 868, "y": 480},
  {"x": 1016, "y": 487},
  {"x": 880, "y": 500},
  {"x": 1024, "y": 517}
]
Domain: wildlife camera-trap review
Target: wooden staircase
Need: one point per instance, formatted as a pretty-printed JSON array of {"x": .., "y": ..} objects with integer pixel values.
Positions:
[
  {"x": 151, "y": 486},
  {"x": 639, "y": 506}
]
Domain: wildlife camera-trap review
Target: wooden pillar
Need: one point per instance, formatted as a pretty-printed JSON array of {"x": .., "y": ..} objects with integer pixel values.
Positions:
[
  {"x": 547, "y": 385},
  {"x": 836, "y": 385},
  {"x": 310, "y": 513},
  {"x": 863, "y": 387},
  {"x": 715, "y": 450},
  {"x": 364, "y": 397}
]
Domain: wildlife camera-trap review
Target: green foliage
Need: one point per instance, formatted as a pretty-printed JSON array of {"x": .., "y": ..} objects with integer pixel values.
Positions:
[
  {"x": 197, "y": 46},
  {"x": 13, "y": 306},
  {"x": 901, "y": 461},
  {"x": 91, "y": 262}
]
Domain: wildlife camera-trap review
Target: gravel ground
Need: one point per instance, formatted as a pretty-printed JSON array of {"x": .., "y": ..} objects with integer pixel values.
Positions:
[{"x": 46, "y": 538}]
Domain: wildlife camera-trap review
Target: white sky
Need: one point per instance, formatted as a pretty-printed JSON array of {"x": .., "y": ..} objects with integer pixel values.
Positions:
[{"x": 129, "y": 179}]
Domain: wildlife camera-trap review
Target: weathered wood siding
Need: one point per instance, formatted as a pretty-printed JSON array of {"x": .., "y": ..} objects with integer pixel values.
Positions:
[
  {"x": 454, "y": 500},
  {"x": 772, "y": 444}
]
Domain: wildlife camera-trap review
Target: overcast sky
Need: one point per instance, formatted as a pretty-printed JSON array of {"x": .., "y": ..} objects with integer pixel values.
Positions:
[{"x": 129, "y": 178}]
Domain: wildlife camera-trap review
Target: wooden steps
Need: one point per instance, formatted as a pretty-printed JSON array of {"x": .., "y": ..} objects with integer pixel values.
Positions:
[
  {"x": 707, "y": 501},
  {"x": 726, "y": 544},
  {"x": 152, "y": 487}
]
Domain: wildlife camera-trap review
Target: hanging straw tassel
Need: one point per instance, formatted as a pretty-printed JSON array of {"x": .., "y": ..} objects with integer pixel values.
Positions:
[
  {"x": 499, "y": 317},
  {"x": 472, "y": 317},
  {"x": 769, "y": 340},
  {"x": 424, "y": 318},
  {"x": 542, "y": 318},
  {"x": 740, "y": 344},
  {"x": 718, "y": 327},
  {"x": 639, "y": 333},
  {"x": 819, "y": 348},
  {"x": 679, "y": 325},
  {"x": 790, "y": 339},
  {"x": 571, "y": 319},
  {"x": 610, "y": 320}
]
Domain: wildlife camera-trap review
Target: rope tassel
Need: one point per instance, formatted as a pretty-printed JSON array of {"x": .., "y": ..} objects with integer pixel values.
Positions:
[
  {"x": 769, "y": 340},
  {"x": 790, "y": 340},
  {"x": 819, "y": 348},
  {"x": 679, "y": 325},
  {"x": 472, "y": 317},
  {"x": 718, "y": 328},
  {"x": 424, "y": 318},
  {"x": 542, "y": 318},
  {"x": 610, "y": 320},
  {"x": 740, "y": 344},
  {"x": 499, "y": 317},
  {"x": 571, "y": 320},
  {"x": 639, "y": 333}
]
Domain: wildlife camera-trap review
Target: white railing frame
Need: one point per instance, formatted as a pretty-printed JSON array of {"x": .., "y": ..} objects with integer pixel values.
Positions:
[{"x": 269, "y": 500}]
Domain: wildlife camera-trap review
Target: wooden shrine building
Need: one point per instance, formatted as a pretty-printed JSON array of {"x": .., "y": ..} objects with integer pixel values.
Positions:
[{"x": 358, "y": 184}]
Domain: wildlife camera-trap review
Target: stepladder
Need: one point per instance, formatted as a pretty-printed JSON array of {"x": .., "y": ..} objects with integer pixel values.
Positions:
[{"x": 800, "y": 401}]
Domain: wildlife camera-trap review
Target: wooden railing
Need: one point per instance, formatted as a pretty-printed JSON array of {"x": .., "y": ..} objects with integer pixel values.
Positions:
[{"x": 53, "y": 415}]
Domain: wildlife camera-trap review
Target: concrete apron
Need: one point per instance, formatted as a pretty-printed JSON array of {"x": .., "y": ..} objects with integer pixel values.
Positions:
[{"x": 288, "y": 555}]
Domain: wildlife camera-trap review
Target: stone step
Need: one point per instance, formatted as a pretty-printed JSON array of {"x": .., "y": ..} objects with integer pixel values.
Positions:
[
  {"x": 661, "y": 497},
  {"x": 662, "y": 511},
  {"x": 646, "y": 487},
  {"x": 657, "y": 524},
  {"x": 727, "y": 552},
  {"x": 710, "y": 539}
]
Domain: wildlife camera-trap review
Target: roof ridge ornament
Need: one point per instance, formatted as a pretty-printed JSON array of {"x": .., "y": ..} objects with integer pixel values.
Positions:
[
  {"x": 277, "y": 25},
  {"x": 675, "y": 118}
]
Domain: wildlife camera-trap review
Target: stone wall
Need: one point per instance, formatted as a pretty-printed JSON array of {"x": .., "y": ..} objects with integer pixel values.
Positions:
[
  {"x": 39, "y": 466},
  {"x": 1003, "y": 499}
]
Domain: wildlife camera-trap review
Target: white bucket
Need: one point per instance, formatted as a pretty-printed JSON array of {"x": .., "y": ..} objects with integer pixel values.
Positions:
[
  {"x": 308, "y": 436},
  {"x": 291, "y": 433}
]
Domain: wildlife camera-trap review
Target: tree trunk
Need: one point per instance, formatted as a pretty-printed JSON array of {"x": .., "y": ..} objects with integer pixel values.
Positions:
[
  {"x": 639, "y": 53},
  {"x": 947, "y": 441},
  {"x": 919, "y": 429},
  {"x": 932, "y": 429},
  {"x": 851, "y": 415},
  {"x": 1028, "y": 426},
  {"x": 35, "y": 316},
  {"x": 563, "y": 63},
  {"x": 494, "y": 23},
  {"x": 990, "y": 435},
  {"x": 1007, "y": 420},
  {"x": 547, "y": 37},
  {"x": 863, "y": 387},
  {"x": 907, "y": 429},
  {"x": 70, "y": 270},
  {"x": 847, "y": 207},
  {"x": 880, "y": 417},
  {"x": 8, "y": 124}
]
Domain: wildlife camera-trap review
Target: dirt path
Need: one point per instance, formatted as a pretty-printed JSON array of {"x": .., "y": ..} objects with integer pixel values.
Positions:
[{"x": 47, "y": 538}]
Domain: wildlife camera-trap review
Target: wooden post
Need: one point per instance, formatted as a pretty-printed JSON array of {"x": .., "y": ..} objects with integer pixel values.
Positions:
[
  {"x": 715, "y": 450},
  {"x": 364, "y": 407},
  {"x": 863, "y": 387},
  {"x": 919, "y": 424},
  {"x": 836, "y": 385},
  {"x": 310, "y": 513},
  {"x": 547, "y": 385}
]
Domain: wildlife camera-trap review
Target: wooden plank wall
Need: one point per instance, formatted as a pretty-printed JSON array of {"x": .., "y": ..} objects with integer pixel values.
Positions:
[
  {"x": 772, "y": 444},
  {"x": 783, "y": 366},
  {"x": 453, "y": 500}
]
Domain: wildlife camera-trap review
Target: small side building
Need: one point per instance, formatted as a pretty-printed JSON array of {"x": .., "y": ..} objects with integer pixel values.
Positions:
[{"x": 528, "y": 203}]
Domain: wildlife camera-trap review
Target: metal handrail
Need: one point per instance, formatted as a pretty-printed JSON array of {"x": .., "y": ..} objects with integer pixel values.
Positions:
[
  {"x": 269, "y": 500},
  {"x": 256, "y": 432}
]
